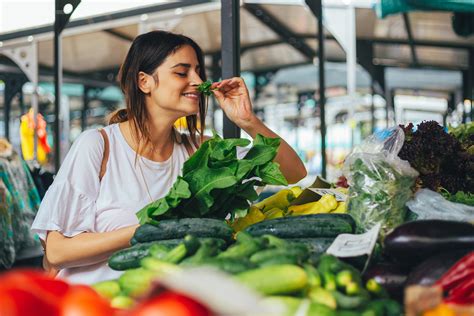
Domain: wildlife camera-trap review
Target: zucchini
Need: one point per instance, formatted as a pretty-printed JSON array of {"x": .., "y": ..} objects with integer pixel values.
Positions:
[
  {"x": 209, "y": 248},
  {"x": 320, "y": 310},
  {"x": 136, "y": 282},
  {"x": 178, "y": 228},
  {"x": 272, "y": 280},
  {"x": 245, "y": 246},
  {"x": 316, "y": 225},
  {"x": 314, "y": 245},
  {"x": 351, "y": 302},
  {"x": 229, "y": 265},
  {"x": 129, "y": 258},
  {"x": 300, "y": 253}
]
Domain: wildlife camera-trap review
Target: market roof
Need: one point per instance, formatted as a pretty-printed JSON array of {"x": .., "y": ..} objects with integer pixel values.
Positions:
[{"x": 94, "y": 47}]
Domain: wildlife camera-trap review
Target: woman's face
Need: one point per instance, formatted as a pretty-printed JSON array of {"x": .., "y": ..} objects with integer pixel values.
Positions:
[{"x": 176, "y": 90}]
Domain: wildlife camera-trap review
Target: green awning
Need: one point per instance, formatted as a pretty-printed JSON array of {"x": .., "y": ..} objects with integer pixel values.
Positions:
[
  {"x": 387, "y": 7},
  {"x": 463, "y": 17}
]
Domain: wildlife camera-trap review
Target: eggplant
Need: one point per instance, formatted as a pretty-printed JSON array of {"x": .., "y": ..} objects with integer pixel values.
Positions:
[
  {"x": 431, "y": 270},
  {"x": 390, "y": 276},
  {"x": 411, "y": 243}
]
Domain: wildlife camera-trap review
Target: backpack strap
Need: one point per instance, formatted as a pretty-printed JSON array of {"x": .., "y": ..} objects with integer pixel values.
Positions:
[{"x": 105, "y": 157}]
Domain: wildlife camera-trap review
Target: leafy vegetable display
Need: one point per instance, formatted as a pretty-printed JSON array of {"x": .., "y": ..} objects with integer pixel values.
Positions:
[
  {"x": 465, "y": 134},
  {"x": 459, "y": 197},
  {"x": 439, "y": 157},
  {"x": 378, "y": 194},
  {"x": 205, "y": 88},
  {"x": 215, "y": 182}
]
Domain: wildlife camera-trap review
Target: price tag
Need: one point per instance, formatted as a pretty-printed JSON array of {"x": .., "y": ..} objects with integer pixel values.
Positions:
[
  {"x": 350, "y": 245},
  {"x": 340, "y": 197}
]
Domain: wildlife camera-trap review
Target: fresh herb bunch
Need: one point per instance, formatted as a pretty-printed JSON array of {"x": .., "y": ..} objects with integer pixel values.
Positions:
[
  {"x": 439, "y": 157},
  {"x": 215, "y": 182},
  {"x": 205, "y": 88},
  {"x": 377, "y": 194},
  {"x": 459, "y": 197},
  {"x": 465, "y": 134}
]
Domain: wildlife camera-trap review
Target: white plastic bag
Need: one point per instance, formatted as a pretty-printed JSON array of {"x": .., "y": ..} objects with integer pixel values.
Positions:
[
  {"x": 380, "y": 183},
  {"x": 428, "y": 204}
]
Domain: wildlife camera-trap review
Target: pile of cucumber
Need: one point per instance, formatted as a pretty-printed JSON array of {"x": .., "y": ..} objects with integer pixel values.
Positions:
[{"x": 282, "y": 259}]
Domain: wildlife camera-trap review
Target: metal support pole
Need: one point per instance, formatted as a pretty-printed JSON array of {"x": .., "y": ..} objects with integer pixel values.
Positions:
[
  {"x": 6, "y": 118},
  {"x": 58, "y": 79},
  {"x": 230, "y": 35},
  {"x": 372, "y": 106},
  {"x": 388, "y": 106},
  {"x": 85, "y": 108},
  {"x": 63, "y": 10},
  {"x": 471, "y": 82},
  {"x": 322, "y": 86}
]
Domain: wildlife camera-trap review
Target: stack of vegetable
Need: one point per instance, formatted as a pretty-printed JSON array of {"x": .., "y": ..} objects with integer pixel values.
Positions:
[
  {"x": 270, "y": 265},
  {"x": 444, "y": 160},
  {"x": 280, "y": 205},
  {"x": 215, "y": 183}
]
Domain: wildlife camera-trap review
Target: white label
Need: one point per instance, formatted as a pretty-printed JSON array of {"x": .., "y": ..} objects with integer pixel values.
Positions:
[
  {"x": 350, "y": 245},
  {"x": 340, "y": 197}
]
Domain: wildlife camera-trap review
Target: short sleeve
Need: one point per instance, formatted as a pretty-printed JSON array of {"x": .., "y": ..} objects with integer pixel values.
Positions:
[{"x": 69, "y": 205}]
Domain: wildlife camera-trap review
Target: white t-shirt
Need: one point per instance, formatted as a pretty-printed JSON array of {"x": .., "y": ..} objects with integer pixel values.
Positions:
[{"x": 78, "y": 202}]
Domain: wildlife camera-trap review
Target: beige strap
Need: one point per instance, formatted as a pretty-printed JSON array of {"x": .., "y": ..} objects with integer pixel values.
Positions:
[{"x": 105, "y": 158}]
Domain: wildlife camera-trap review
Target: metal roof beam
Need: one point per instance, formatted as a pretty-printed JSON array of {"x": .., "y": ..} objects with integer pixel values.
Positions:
[
  {"x": 105, "y": 18},
  {"x": 119, "y": 35},
  {"x": 411, "y": 42},
  {"x": 281, "y": 30}
]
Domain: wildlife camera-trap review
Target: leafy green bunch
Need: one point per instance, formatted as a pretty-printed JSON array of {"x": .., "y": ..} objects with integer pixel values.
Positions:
[
  {"x": 205, "y": 88},
  {"x": 377, "y": 194},
  {"x": 215, "y": 182}
]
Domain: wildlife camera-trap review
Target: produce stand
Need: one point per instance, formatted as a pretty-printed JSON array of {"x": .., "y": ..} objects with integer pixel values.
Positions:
[{"x": 351, "y": 248}]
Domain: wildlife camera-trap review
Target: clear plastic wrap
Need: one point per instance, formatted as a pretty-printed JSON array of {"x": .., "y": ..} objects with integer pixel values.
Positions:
[
  {"x": 427, "y": 204},
  {"x": 380, "y": 183}
]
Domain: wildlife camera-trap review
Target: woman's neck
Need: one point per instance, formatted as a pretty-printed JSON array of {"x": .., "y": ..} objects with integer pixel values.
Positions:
[{"x": 160, "y": 145}]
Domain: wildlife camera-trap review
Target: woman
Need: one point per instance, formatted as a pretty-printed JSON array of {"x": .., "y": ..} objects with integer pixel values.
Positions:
[{"x": 89, "y": 211}]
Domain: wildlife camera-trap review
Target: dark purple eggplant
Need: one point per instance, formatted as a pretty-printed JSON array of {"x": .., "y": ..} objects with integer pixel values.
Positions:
[
  {"x": 413, "y": 242},
  {"x": 430, "y": 270},
  {"x": 391, "y": 277}
]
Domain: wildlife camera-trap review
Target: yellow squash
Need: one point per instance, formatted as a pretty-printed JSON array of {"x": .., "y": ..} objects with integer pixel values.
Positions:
[{"x": 326, "y": 204}]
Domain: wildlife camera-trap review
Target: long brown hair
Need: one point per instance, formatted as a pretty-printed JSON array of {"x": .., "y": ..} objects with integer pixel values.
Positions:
[{"x": 148, "y": 52}]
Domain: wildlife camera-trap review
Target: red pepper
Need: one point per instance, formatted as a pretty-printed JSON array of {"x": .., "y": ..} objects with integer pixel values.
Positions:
[
  {"x": 464, "y": 289},
  {"x": 461, "y": 270}
]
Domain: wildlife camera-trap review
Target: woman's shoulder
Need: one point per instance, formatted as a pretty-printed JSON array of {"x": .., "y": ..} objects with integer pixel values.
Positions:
[{"x": 89, "y": 141}]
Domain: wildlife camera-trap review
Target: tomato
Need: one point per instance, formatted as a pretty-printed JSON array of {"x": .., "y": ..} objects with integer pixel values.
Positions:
[
  {"x": 171, "y": 304},
  {"x": 23, "y": 302},
  {"x": 82, "y": 300},
  {"x": 34, "y": 280}
]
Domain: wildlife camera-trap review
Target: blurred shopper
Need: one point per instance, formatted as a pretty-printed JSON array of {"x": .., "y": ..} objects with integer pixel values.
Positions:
[{"x": 110, "y": 174}]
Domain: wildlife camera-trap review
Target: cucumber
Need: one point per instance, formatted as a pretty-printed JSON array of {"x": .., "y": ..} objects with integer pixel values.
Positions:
[
  {"x": 350, "y": 302},
  {"x": 289, "y": 259},
  {"x": 320, "y": 310},
  {"x": 315, "y": 245},
  {"x": 107, "y": 289},
  {"x": 274, "y": 280},
  {"x": 129, "y": 258},
  {"x": 299, "y": 253},
  {"x": 178, "y": 228},
  {"x": 136, "y": 282},
  {"x": 307, "y": 226},
  {"x": 229, "y": 265}
]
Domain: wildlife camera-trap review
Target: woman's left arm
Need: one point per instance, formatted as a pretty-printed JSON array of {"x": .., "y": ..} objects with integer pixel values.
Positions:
[{"x": 233, "y": 97}]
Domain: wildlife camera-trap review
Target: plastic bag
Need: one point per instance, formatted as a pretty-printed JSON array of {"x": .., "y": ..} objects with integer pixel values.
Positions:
[
  {"x": 380, "y": 182},
  {"x": 428, "y": 204}
]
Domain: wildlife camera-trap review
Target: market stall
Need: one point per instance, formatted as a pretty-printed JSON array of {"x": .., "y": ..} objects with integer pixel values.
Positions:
[{"x": 393, "y": 236}]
